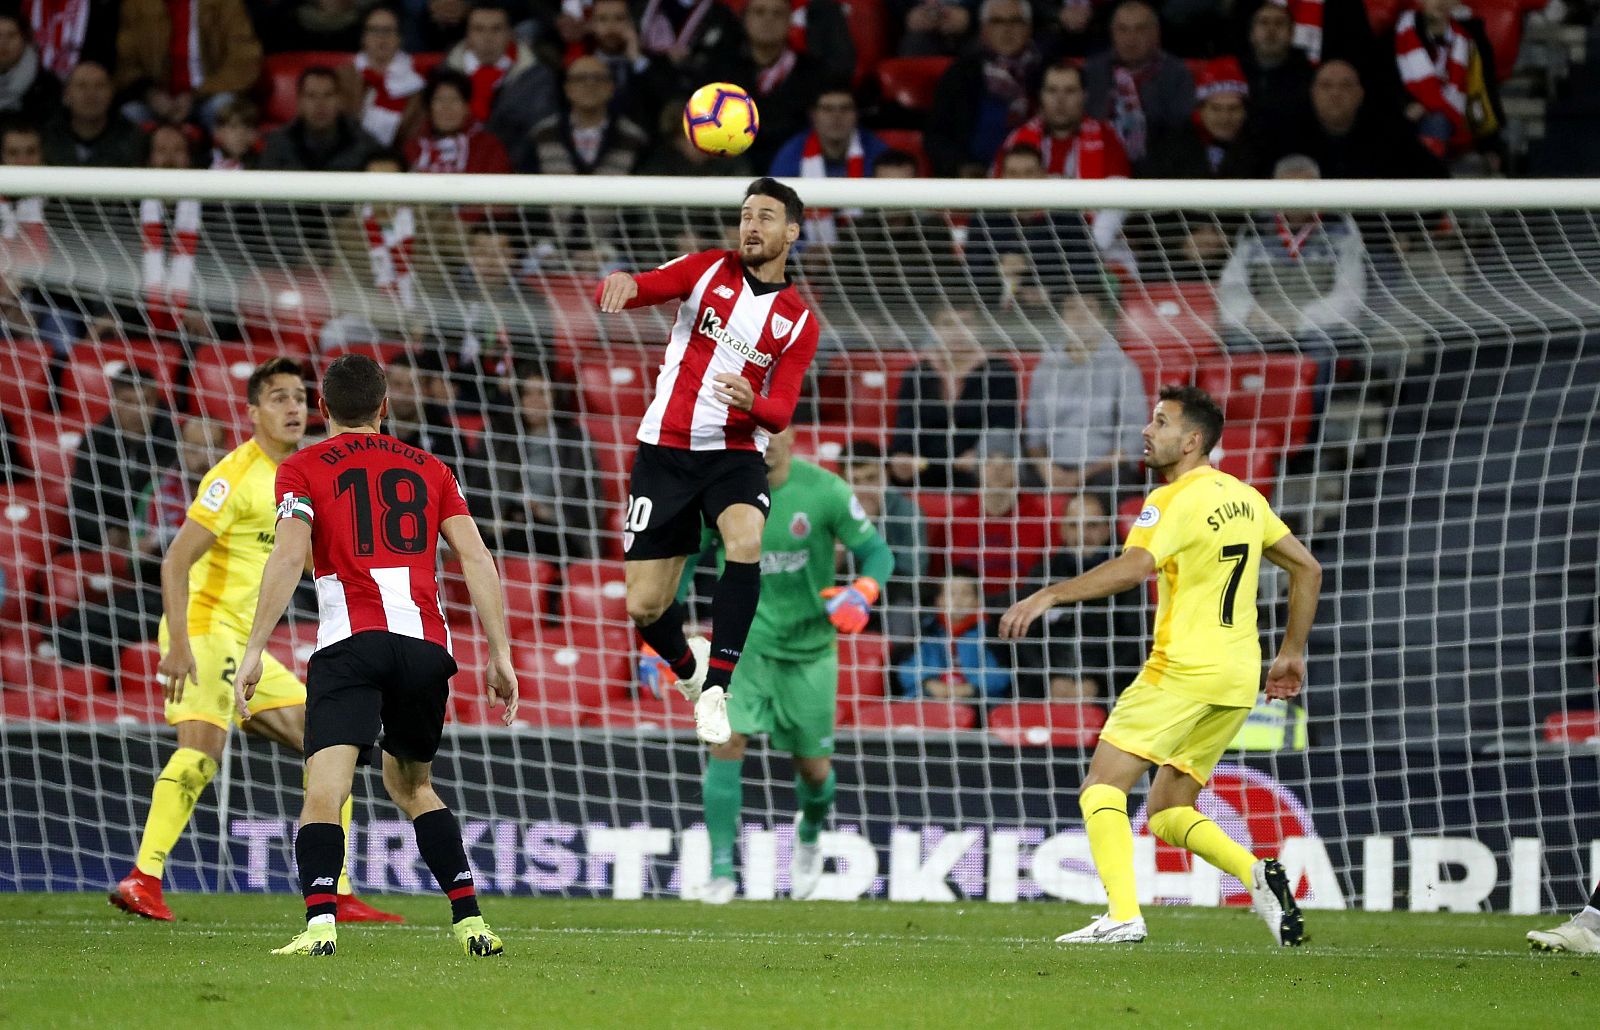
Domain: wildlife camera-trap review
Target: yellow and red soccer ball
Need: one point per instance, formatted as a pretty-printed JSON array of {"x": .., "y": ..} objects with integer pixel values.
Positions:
[{"x": 721, "y": 118}]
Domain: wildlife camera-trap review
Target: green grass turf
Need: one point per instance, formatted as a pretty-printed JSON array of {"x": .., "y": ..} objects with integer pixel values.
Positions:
[{"x": 72, "y": 960}]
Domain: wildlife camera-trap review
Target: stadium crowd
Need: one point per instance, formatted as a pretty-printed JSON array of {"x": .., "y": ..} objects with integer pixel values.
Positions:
[{"x": 995, "y": 467}]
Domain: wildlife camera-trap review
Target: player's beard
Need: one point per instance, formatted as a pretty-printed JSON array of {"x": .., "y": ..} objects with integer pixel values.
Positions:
[{"x": 766, "y": 255}]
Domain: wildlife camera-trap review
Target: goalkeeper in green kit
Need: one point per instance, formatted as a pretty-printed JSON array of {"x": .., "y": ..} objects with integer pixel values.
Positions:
[{"x": 787, "y": 679}]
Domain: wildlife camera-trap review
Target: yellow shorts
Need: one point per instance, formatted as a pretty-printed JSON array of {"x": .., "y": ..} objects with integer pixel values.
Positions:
[
  {"x": 1170, "y": 729},
  {"x": 216, "y": 660}
]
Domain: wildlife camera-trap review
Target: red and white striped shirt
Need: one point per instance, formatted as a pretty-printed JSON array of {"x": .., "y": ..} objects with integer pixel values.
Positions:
[
  {"x": 728, "y": 322},
  {"x": 375, "y": 507}
]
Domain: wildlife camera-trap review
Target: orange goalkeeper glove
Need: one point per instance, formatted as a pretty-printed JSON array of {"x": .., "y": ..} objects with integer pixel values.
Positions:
[{"x": 849, "y": 606}]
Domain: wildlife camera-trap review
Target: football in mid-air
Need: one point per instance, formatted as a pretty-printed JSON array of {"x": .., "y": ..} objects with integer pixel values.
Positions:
[{"x": 721, "y": 119}]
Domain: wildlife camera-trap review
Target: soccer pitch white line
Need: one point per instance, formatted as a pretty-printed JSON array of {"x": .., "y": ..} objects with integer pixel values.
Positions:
[{"x": 843, "y": 938}]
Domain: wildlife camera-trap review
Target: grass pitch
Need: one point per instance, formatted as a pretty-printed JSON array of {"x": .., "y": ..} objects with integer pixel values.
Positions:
[{"x": 70, "y": 960}]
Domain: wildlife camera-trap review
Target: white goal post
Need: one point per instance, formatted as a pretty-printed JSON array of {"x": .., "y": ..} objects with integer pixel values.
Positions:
[{"x": 1410, "y": 370}]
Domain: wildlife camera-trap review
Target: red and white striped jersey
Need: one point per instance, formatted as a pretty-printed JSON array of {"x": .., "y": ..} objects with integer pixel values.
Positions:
[
  {"x": 728, "y": 322},
  {"x": 375, "y": 506}
]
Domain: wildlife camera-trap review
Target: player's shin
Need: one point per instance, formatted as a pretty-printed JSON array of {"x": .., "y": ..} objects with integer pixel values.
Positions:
[
  {"x": 319, "y": 852},
  {"x": 814, "y": 801},
  {"x": 1186, "y": 828},
  {"x": 723, "y": 793},
  {"x": 733, "y": 608},
  {"x": 665, "y": 635},
  {"x": 439, "y": 841},
  {"x": 1105, "y": 817},
  {"x": 172, "y": 802}
]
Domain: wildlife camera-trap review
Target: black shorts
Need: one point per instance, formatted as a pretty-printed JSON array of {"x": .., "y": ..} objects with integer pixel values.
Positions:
[
  {"x": 378, "y": 681},
  {"x": 673, "y": 492}
]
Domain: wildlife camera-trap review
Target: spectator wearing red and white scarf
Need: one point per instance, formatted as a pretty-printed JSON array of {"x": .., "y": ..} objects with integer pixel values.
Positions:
[
  {"x": 169, "y": 253},
  {"x": 26, "y": 87},
  {"x": 182, "y": 60},
  {"x": 451, "y": 140},
  {"x": 1433, "y": 53},
  {"x": 986, "y": 92},
  {"x": 1139, "y": 88},
  {"x": 834, "y": 147},
  {"x": 1071, "y": 145},
  {"x": 782, "y": 80},
  {"x": 688, "y": 33},
  {"x": 511, "y": 91},
  {"x": 382, "y": 87}
]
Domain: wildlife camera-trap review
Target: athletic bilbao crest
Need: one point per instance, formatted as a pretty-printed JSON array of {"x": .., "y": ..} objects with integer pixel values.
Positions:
[
  {"x": 800, "y": 525},
  {"x": 1254, "y": 809},
  {"x": 781, "y": 326}
]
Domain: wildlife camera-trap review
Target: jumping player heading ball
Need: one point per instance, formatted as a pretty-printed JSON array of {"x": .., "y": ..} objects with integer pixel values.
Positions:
[{"x": 738, "y": 352}]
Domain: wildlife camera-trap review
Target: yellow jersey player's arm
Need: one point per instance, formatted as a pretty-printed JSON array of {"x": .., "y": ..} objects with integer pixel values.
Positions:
[
  {"x": 278, "y": 581},
  {"x": 1288, "y": 671},
  {"x": 177, "y": 666},
  {"x": 1112, "y": 576}
]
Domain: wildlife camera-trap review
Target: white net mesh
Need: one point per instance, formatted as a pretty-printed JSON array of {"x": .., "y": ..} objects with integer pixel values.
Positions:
[{"x": 1415, "y": 392}]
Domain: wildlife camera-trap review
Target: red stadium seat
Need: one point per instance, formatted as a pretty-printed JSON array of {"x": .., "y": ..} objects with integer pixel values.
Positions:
[
  {"x": 610, "y": 386},
  {"x": 914, "y": 714},
  {"x": 594, "y": 592},
  {"x": 1275, "y": 391},
  {"x": 1250, "y": 453},
  {"x": 859, "y": 388},
  {"x": 577, "y": 318},
  {"x": 49, "y": 446},
  {"x": 1502, "y": 24},
  {"x": 16, "y": 655},
  {"x": 644, "y": 711},
  {"x": 24, "y": 380},
  {"x": 74, "y": 578},
  {"x": 1572, "y": 727},
  {"x": 86, "y": 383},
  {"x": 76, "y": 688},
  {"x": 612, "y": 444},
  {"x": 28, "y": 530},
  {"x": 283, "y": 310},
  {"x": 1171, "y": 317},
  {"x": 138, "y": 666},
  {"x": 528, "y": 583},
  {"x": 292, "y": 643},
  {"x": 863, "y": 664},
  {"x": 909, "y": 140},
  {"x": 869, "y": 31},
  {"x": 567, "y": 686},
  {"x": 21, "y": 704},
  {"x": 910, "y": 81},
  {"x": 280, "y": 75},
  {"x": 1047, "y": 724}
]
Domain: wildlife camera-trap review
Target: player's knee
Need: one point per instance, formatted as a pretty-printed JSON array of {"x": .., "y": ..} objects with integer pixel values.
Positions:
[
  {"x": 646, "y": 610},
  {"x": 813, "y": 770},
  {"x": 732, "y": 751}
]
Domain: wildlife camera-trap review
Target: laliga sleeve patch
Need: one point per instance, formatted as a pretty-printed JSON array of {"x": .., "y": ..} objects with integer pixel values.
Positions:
[
  {"x": 1148, "y": 517},
  {"x": 216, "y": 495}
]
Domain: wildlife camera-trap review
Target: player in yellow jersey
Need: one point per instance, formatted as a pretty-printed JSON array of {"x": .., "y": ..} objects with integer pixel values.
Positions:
[
  {"x": 1205, "y": 534},
  {"x": 212, "y": 572}
]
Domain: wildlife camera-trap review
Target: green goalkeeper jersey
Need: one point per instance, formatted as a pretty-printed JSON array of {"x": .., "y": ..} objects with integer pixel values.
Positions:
[{"x": 810, "y": 511}]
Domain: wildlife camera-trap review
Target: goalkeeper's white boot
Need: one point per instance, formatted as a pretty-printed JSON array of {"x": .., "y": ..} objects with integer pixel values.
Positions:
[
  {"x": 711, "y": 716},
  {"x": 1105, "y": 930},
  {"x": 718, "y": 891},
  {"x": 1272, "y": 898},
  {"x": 1571, "y": 936},
  {"x": 317, "y": 939},
  {"x": 690, "y": 688},
  {"x": 805, "y": 866}
]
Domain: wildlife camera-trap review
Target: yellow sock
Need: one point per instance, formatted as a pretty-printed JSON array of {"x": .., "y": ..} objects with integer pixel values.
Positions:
[
  {"x": 344, "y": 872},
  {"x": 1186, "y": 828},
  {"x": 172, "y": 802},
  {"x": 1105, "y": 816}
]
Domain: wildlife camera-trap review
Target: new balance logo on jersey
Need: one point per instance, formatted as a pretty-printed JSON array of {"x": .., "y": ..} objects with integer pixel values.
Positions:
[
  {"x": 322, "y": 881},
  {"x": 724, "y": 292},
  {"x": 711, "y": 326}
]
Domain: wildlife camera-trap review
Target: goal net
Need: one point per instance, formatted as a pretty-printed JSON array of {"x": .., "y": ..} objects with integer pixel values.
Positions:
[{"x": 1409, "y": 372}]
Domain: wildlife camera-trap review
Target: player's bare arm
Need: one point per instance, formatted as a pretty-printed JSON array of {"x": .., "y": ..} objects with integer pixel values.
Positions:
[
  {"x": 1130, "y": 568},
  {"x": 616, "y": 291},
  {"x": 1287, "y": 673},
  {"x": 483, "y": 586},
  {"x": 177, "y": 665},
  {"x": 278, "y": 580}
]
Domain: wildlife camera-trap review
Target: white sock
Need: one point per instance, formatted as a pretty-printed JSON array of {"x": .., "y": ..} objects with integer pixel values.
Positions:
[
  {"x": 320, "y": 920},
  {"x": 1590, "y": 917}
]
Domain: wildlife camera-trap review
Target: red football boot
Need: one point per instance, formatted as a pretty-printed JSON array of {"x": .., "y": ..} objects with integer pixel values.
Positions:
[
  {"x": 140, "y": 894},
  {"x": 353, "y": 910}
]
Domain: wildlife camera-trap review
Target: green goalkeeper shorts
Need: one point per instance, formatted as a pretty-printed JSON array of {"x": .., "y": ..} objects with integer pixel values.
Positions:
[{"x": 790, "y": 701}]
